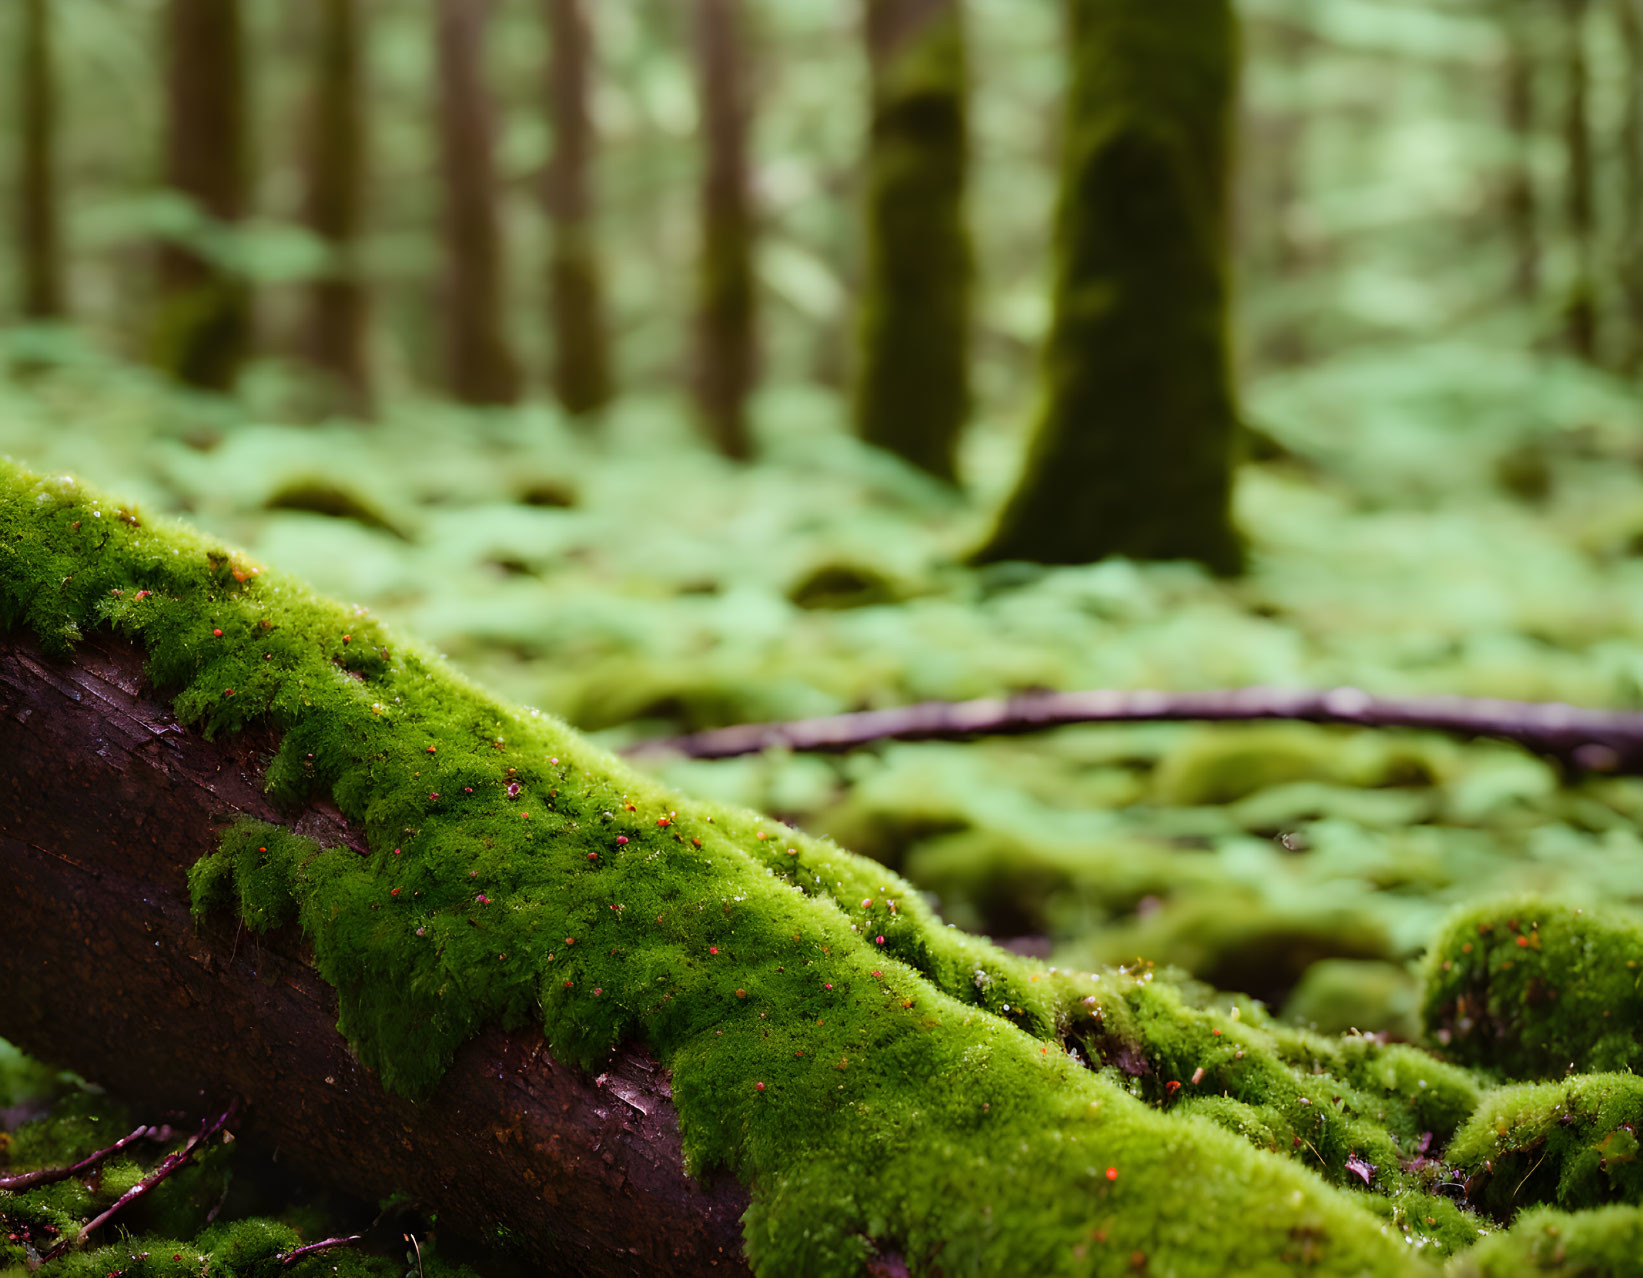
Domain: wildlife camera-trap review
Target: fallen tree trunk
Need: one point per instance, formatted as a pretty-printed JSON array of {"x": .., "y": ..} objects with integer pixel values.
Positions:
[
  {"x": 105, "y": 803},
  {"x": 1581, "y": 740}
]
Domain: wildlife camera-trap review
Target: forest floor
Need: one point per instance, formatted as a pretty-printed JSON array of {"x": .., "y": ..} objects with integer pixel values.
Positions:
[{"x": 1434, "y": 519}]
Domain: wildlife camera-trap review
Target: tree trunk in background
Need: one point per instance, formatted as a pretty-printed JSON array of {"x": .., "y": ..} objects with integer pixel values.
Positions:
[
  {"x": 38, "y": 241},
  {"x": 204, "y": 325},
  {"x": 724, "y": 318},
  {"x": 1630, "y": 18},
  {"x": 481, "y": 365},
  {"x": 1133, "y": 450},
  {"x": 912, "y": 392},
  {"x": 581, "y": 370},
  {"x": 1518, "y": 197},
  {"x": 339, "y": 308},
  {"x": 1580, "y": 205}
]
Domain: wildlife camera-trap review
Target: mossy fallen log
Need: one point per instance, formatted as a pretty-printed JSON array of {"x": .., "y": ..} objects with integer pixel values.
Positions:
[{"x": 443, "y": 946}]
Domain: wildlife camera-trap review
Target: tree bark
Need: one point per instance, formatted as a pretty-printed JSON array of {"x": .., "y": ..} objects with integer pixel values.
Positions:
[
  {"x": 1580, "y": 201},
  {"x": 1518, "y": 197},
  {"x": 106, "y": 803},
  {"x": 1134, "y": 447},
  {"x": 724, "y": 372},
  {"x": 204, "y": 325},
  {"x": 38, "y": 238},
  {"x": 1629, "y": 17},
  {"x": 912, "y": 391},
  {"x": 581, "y": 371},
  {"x": 339, "y": 307},
  {"x": 481, "y": 367}
]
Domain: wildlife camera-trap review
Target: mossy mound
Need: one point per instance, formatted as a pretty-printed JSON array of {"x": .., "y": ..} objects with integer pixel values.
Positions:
[
  {"x": 1572, "y": 1144},
  {"x": 1533, "y": 989},
  {"x": 878, "y": 1078},
  {"x": 1604, "y": 1243}
]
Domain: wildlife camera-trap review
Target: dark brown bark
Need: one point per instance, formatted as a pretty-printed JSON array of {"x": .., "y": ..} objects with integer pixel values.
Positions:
[
  {"x": 204, "y": 325},
  {"x": 1629, "y": 17},
  {"x": 1580, "y": 202},
  {"x": 339, "y": 306},
  {"x": 38, "y": 238},
  {"x": 1518, "y": 197},
  {"x": 1581, "y": 740},
  {"x": 481, "y": 367},
  {"x": 724, "y": 371},
  {"x": 581, "y": 369},
  {"x": 105, "y": 801}
]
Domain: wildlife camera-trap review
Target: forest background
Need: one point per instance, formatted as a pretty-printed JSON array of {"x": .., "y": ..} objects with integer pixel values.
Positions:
[{"x": 1437, "y": 254}]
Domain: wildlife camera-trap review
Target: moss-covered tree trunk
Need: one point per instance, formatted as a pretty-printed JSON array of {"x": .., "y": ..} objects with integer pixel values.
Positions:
[
  {"x": 1629, "y": 16},
  {"x": 1132, "y": 454},
  {"x": 912, "y": 392},
  {"x": 1579, "y": 192},
  {"x": 203, "y": 328},
  {"x": 724, "y": 355},
  {"x": 339, "y": 306},
  {"x": 480, "y": 363},
  {"x": 581, "y": 367},
  {"x": 1518, "y": 201},
  {"x": 38, "y": 240}
]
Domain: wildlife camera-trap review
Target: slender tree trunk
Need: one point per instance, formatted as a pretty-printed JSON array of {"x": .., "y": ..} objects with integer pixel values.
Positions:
[
  {"x": 912, "y": 395},
  {"x": 1629, "y": 15},
  {"x": 1580, "y": 204},
  {"x": 1519, "y": 200},
  {"x": 1133, "y": 449},
  {"x": 339, "y": 307},
  {"x": 38, "y": 240},
  {"x": 204, "y": 325},
  {"x": 724, "y": 370},
  {"x": 481, "y": 364},
  {"x": 581, "y": 371}
]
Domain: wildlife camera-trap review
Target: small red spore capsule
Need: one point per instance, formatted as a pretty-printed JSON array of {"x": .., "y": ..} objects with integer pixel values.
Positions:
[
  {"x": 663, "y": 821},
  {"x": 713, "y": 949},
  {"x": 621, "y": 840},
  {"x": 597, "y": 991},
  {"x": 393, "y": 891},
  {"x": 759, "y": 1086},
  {"x": 879, "y": 940},
  {"x": 433, "y": 749},
  {"x": 1112, "y": 1173},
  {"x": 1523, "y": 942},
  {"x": 216, "y": 634},
  {"x": 593, "y": 856},
  {"x": 347, "y": 638}
]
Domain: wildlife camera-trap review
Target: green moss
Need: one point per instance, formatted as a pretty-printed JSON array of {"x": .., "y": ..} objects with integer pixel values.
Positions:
[
  {"x": 915, "y": 1090},
  {"x": 1132, "y": 454},
  {"x": 1604, "y": 1243},
  {"x": 912, "y": 393},
  {"x": 1573, "y": 1144},
  {"x": 1535, "y": 989},
  {"x": 1337, "y": 995}
]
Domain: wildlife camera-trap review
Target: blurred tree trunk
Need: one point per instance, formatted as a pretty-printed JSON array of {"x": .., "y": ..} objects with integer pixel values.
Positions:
[
  {"x": 1518, "y": 197},
  {"x": 1133, "y": 450},
  {"x": 339, "y": 308},
  {"x": 38, "y": 241},
  {"x": 912, "y": 393},
  {"x": 581, "y": 372},
  {"x": 1580, "y": 205},
  {"x": 481, "y": 365},
  {"x": 724, "y": 319},
  {"x": 203, "y": 330},
  {"x": 1630, "y": 17}
]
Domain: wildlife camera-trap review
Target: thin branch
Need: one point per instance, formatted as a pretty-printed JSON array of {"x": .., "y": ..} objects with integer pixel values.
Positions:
[
  {"x": 1581, "y": 740},
  {"x": 172, "y": 1162},
  {"x": 51, "y": 1175},
  {"x": 324, "y": 1244}
]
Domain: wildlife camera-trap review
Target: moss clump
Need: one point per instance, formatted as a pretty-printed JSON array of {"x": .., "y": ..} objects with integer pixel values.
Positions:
[
  {"x": 1338, "y": 995},
  {"x": 1133, "y": 450},
  {"x": 878, "y": 1078},
  {"x": 1604, "y": 1243},
  {"x": 1533, "y": 989},
  {"x": 318, "y": 496},
  {"x": 912, "y": 394},
  {"x": 1573, "y": 1144}
]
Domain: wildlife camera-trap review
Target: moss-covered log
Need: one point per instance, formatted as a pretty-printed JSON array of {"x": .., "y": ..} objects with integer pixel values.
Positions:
[
  {"x": 503, "y": 910},
  {"x": 1133, "y": 451},
  {"x": 912, "y": 392}
]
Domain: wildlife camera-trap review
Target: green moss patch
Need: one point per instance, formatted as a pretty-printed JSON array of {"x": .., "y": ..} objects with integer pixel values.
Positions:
[
  {"x": 1604, "y": 1243},
  {"x": 1534, "y": 989}
]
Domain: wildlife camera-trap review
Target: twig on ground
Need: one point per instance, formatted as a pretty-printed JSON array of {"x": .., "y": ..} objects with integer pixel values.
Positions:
[
  {"x": 51, "y": 1175},
  {"x": 324, "y": 1244},
  {"x": 1581, "y": 740}
]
